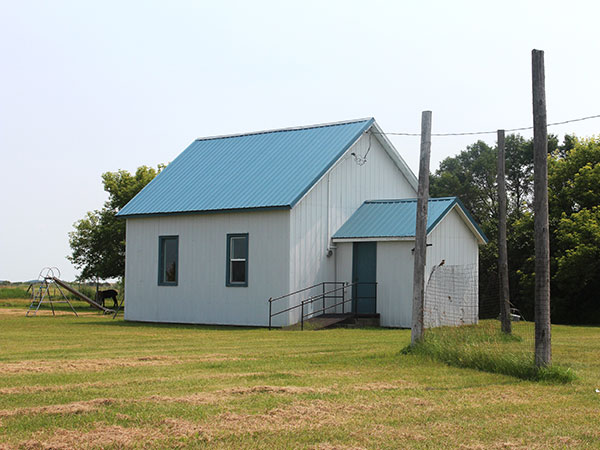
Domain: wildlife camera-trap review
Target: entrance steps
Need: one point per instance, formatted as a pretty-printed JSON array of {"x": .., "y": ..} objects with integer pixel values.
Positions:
[
  {"x": 347, "y": 320},
  {"x": 365, "y": 321}
]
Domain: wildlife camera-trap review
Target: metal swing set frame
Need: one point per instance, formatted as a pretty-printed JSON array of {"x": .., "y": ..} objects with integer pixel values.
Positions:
[
  {"x": 49, "y": 283},
  {"x": 42, "y": 290}
]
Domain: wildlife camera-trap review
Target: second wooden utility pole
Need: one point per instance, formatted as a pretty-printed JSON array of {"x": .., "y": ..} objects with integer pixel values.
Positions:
[
  {"x": 417, "y": 329},
  {"x": 543, "y": 350},
  {"x": 503, "y": 288}
]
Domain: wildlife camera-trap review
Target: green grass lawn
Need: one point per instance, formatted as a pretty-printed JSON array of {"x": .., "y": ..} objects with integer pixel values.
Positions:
[{"x": 95, "y": 382}]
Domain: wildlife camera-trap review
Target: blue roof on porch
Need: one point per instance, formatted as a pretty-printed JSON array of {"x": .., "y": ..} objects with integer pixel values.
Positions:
[
  {"x": 397, "y": 218},
  {"x": 267, "y": 169}
]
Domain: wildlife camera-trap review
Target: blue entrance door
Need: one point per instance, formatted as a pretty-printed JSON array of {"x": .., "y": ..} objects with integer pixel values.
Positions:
[{"x": 364, "y": 258}]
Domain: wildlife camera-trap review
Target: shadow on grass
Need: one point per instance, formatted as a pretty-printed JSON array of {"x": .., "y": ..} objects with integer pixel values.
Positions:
[
  {"x": 578, "y": 325},
  {"x": 119, "y": 322},
  {"x": 484, "y": 347}
]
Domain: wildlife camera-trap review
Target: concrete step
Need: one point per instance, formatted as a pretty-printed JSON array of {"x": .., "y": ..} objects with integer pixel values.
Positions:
[
  {"x": 319, "y": 322},
  {"x": 364, "y": 322},
  {"x": 336, "y": 320}
]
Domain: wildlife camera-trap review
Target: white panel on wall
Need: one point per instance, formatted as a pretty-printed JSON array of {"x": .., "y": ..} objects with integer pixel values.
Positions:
[
  {"x": 331, "y": 202},
  {"x": 343, "y": 262},
  {"x": 394, "y": 283},
  {"x": 201, "y": 295},
  {"x": 453, "y": 242}
]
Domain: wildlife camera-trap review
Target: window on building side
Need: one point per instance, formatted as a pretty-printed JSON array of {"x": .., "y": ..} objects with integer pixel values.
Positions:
[
  {"x": 237, "y": 260},
  {"x": 168, "y": 253}
]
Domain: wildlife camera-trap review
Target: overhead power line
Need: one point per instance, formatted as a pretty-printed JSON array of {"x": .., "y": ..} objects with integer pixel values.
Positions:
[{"x": 470, "y": 133}]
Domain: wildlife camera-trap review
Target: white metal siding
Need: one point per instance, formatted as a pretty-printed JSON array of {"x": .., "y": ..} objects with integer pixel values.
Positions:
[
  {"x": 394, "y": 279},
  {"x": 395, "y": 265},
  {"x": 349, "y": 186},
  {"x": 451, "y": 241},
  {"x": 343, "y": 262},
  {"x": 201, "y": 295}
]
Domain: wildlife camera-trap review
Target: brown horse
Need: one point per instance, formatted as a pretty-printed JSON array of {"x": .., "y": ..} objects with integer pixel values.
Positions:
[{"x": 109, "y": 293}]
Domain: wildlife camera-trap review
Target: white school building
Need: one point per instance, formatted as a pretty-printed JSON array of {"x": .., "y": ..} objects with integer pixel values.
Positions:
[{"x": 236, "y": 220}]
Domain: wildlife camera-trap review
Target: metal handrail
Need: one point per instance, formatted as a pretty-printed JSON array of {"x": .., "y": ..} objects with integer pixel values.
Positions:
[
  {"x": 334, "y": 305},
  {"x": 352, "y": 299},
  {"x": 314, "y": 298},
  {"x": 321, "y": 310},
  {"x": 306, "y": 289},
  {"x": 309, "y": 299}
]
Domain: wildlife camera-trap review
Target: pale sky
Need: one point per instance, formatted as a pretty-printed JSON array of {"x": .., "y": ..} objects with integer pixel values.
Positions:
[{"x": 89, "y": 87}]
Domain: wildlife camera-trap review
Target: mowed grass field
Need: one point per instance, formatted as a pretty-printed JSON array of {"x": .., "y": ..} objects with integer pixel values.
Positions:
[{"x": 94, "y": 382}]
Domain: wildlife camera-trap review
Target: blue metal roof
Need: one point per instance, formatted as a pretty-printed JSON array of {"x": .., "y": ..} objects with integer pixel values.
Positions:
[
  {"x": 258, "y": 170},
  {"x": 397, "y": 218}
]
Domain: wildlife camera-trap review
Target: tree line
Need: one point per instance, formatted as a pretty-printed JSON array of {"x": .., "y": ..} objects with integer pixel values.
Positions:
[
  {"x": 574, "y": 206},
  {"x": 98, "y": 240}
]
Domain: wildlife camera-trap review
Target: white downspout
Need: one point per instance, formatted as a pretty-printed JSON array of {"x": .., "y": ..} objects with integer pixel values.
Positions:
[
  {"x": 330, "y": 248},
  {"x": 328, "y": 215}
]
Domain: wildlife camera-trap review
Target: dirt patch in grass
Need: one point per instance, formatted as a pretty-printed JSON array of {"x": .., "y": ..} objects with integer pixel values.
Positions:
[
  {"x": 26, "y": 390},
  {"x": 116, "y": 436},
  {"x": 67, "y": 408},
  {"x": 97, "y": 365},
  {"x": 328, "y": 446},
  {"x": 36, "y": 388},
  {"x": 384, "y": 431},
  {"x": 202, "y": 398},
  {"x": 510, "y": 445},
  {"x": 83, "y": 365},
  {"x": 377, "y": 386},
  {"x": 101, "y": 437},
  {"x": 313, "y": 414},
  {"x": 383, "y": 386},
  {"x": 14, "y": 312},
  {"x": 8, "y": 311},
  {"x": 275, "y": 390},
  {"x": 297, "y": 417},
  {"x": 184, "y": 428},
  {"x": 94, "y": 404},
  {"x": 567, "y": 441},
  {"x": 510, "y": 395}
]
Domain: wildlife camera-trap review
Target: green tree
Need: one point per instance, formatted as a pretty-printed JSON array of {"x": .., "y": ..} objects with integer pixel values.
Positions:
[
  {"x": 519, "y": 173},
  {"x": 574, "y": 202},
  {"x": 471, "y": 175},
  {"x": 578, "y": 267},
  {"x": 98, "y": 240}
]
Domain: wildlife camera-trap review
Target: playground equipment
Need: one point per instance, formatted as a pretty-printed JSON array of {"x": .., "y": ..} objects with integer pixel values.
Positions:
[
  {"x": 49, "y": 283},
  {"x": 43, "y": 289}
]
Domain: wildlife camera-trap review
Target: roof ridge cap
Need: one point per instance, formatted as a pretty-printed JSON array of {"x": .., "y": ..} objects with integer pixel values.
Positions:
[
  {"x": 409, "y": 199},
  {"x": 281, "y": 130},
  {"x": 392, "y": 200}
]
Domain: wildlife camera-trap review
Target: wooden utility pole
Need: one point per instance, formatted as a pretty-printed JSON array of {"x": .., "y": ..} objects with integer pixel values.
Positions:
[
  {"x": 420, "y": 255},
  {"x": 503, "y": 288},
  {"x": 543, "y": 350}
]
